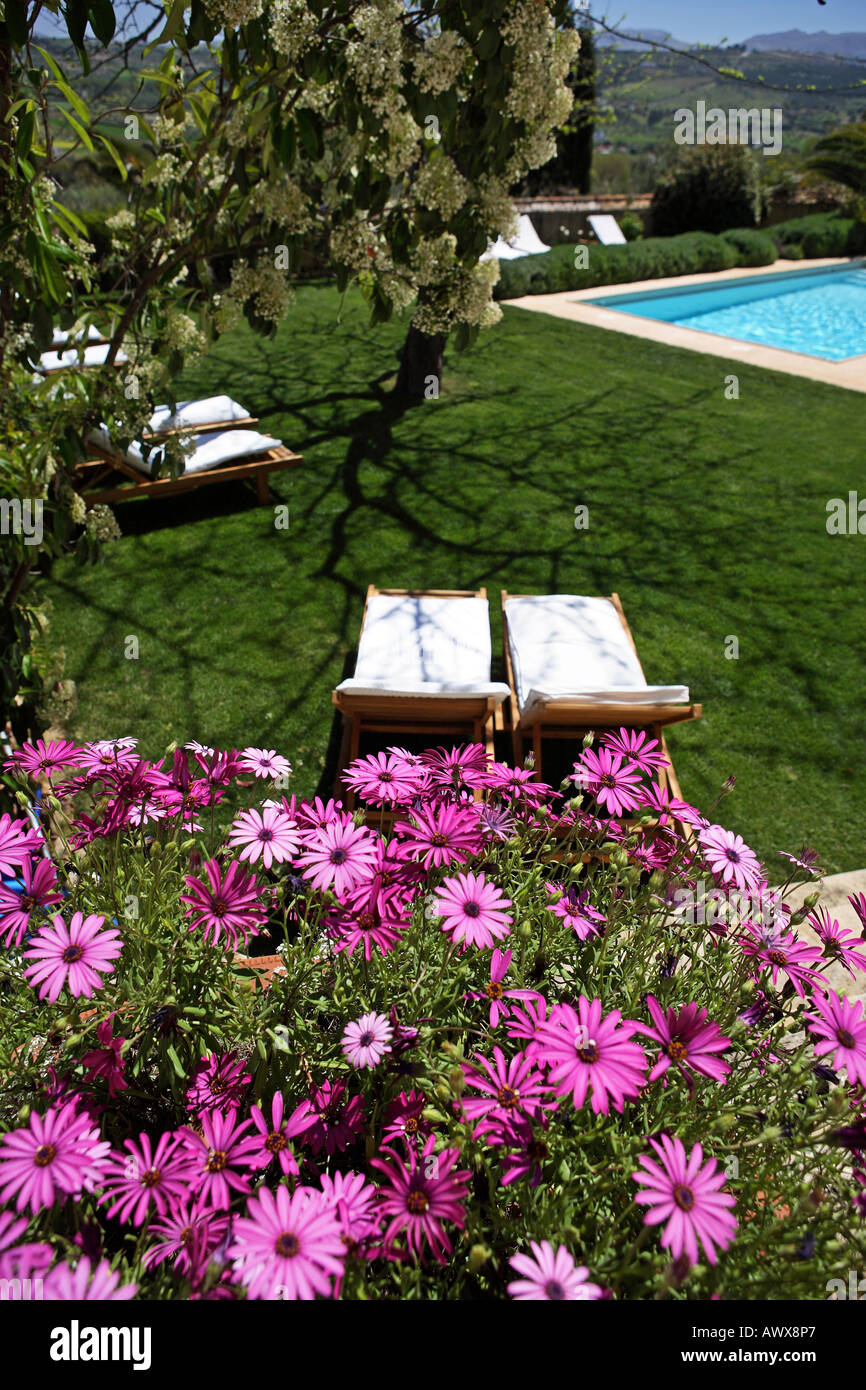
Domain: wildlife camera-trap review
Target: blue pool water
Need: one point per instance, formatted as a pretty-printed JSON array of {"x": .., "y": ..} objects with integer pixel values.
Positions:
[{"x": 821, "y": 313}]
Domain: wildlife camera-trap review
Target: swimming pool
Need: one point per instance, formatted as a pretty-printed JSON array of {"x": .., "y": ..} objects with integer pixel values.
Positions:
[{"x": 819, "y": 312}]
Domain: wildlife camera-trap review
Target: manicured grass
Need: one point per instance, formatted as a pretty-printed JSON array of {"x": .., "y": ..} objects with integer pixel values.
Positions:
[{"x": 707, "y": 515}]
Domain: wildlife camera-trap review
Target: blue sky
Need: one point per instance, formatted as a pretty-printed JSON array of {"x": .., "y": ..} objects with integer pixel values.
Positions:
[{"x": 733, "y": 19}]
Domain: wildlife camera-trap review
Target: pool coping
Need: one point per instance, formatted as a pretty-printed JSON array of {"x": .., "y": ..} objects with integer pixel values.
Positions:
[{"x": 850, "y": 373}]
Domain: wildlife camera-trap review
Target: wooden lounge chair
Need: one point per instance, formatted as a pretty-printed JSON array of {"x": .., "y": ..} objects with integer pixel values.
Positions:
[
  {"x": 572, "y": 667},
  {"x": 423, "y": 668},
  {"x": 221, "y": 443}
]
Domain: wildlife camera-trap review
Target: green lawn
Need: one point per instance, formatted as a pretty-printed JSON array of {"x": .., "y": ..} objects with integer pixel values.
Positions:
[{"x": 707, "y": 515}]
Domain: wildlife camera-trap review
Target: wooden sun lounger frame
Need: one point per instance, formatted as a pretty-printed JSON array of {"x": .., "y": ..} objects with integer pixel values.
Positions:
[
  {"x": 572, "y": 719},
  {"x": 468, "y": 717},
  {"x": 257, "y": 467}
]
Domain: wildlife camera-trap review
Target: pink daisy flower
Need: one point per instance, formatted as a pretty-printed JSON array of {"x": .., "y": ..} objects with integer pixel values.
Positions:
[
  {"x": 382, "y": 777},
  {"x": 526, "y": 1023},
  {"x": 687, "y": 1040},
  {"x": 18, "y": 840},
  {"x": 353, "y": 926},
  {"x": 269, "y": 835},
  {"x": 858, "y": 902},
  {"x": 511, "y": 1091},
  {"x": 20, "y": 1261},
  {"x": 440, "y": 834},
  {"x": 56, "y": 1155},
  {"x": 551, "y": 1275},
  {"x": 17, "y": 905},
  {"x": 685, "y": 1192},
  {"x": 636, "y": 745},
  {"x": 147, "y": 1181},
  {"x": 272, "y": 1139},
  {"x": 106, "y": 1060},
  {"x": 584, "y": 1049},
  {"x": 288, "y": 1247},
  {"x": 575, "y": 910},
  {"x": 191, "y": 1233},
  {"x": 338, "y": 1120},
  {"x": 499, "y": 963},
  {"x": 227, "y": 906},
  {"x": 457, "y": 769},
  {"x": 40, "y": 759},
  {"x": 318, "y": 815},
  {"x": 264, "y": 762},
  {"x": 96, "y": 1284},
  {"x": 365, "y": 1042},
  {"x": 472, "y": 910},
  {"x": 420, "y": 1196},
  {"x": 341, "y": 856},
  {"x": 496, "y": 822},
  {"x": 354, "y": 1201},
  {"x": 781, "y": 951},
  {"x": 612, "y": 784},
  {"x": 76, "y": 955},
  {"x": 729, "y": 857},
  {"x": 215, "y": 1154},
  {"x": 841, "y": 1028},
  {"x": 404, "y": 1118},
  {"x": 217, "y": 1081},
  {"x": 518, "y": 785},
  {"x": 528, "y": 1151},
  {"x": 839, "y": 943}
]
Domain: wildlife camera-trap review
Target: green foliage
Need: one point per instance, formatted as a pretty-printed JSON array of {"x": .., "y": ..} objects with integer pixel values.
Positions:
[
  {"x": 709, "y": 190},
  {"x": 752, "y": 247},
  {"x": 841, "y": 157},
  {"x": 820, "y": 234},
  {"x": 631, "y": 226},
  {"x": 649, "y": 259}
]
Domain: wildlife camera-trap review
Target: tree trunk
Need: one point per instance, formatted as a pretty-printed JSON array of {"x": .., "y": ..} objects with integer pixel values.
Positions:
[{"x": 420, "y": 373}]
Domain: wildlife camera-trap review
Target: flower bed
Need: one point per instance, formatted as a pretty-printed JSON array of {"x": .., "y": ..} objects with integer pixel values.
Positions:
[{"x": 517, "y": 1047}]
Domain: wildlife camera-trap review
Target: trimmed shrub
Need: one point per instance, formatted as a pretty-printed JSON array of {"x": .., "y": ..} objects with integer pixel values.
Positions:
[
  {"x": 753, "y": 248},
  {"x": 650, "y": 259},
  {"x": 820, "y": 234},
  {"x": 631, "y": 226}
]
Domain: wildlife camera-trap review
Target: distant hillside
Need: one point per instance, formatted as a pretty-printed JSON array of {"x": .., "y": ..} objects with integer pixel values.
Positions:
[{"x": 850, "y": 45}]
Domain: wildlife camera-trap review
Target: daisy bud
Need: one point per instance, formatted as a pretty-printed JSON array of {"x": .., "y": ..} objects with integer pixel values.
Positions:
[
  {"x": 575, "y": 803},
  {"x": 52, "y": 802},
  {"x": 810, "y": 900},
  {"x": 770, "y": 1133},
  {"x": 524, "y": 931},
  {"x": 443, "y": 1091},
  {"x": 155, "y": 849},
  {"x": 457, "y": 1081},
  {"x": 24, "y": 1114},
  {"x": 23, "y": 799},
  {"x": 478, "y": 1257},
  {"x": 838, "y": 1100},
  {"x": 726, "y": 1121},
  {"x": 359, "y": 818},
  {"x": 187, "y": 845},
  {"x": 588, "y": 738}
]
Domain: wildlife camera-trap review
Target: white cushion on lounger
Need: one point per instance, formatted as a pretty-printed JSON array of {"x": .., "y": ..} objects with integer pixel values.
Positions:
[
  {"x": 569, "y": 647},
  {"x": 92, "y": 357},
  {"x": 62, "y": 335},
  {"x": 424, "y": 646},
  {"x": 204, "y": 451},
  {"x": 214, "y": 410}
]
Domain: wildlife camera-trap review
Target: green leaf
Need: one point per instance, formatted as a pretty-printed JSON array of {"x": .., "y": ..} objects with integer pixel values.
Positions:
[
  {"x": 488, "y": 43},
  {"x": 173, "y": 25},
  {"x": 102, "y": 20},
  {"x": 78, "y": 106},
  {"x": 175, "y": 1061},
  {"x": 114, "y": 155},
  {"x": 77, "y": 127},
  {"x": 56, "y": 71},
  {"x": 25, "y": 134},
  {"x": 77, "y": 12}
]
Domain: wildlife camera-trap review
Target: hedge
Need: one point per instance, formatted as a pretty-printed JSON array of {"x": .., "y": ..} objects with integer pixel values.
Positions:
[
  {"x": 820, "y": 234},
  {"x": 650, "y": 259}
]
